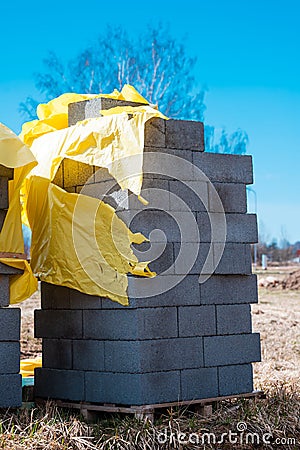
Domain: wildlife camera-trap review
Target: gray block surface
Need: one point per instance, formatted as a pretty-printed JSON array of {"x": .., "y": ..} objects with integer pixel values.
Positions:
[
  {"x": 142, "y": 323},
  {"x": 153, "y": 355},
  {"x": 155, "y": 132},
  {"x": 236, "y": 259},
  {"x": 229, "y": 289},
  {"x": 7, "y": 270},
  {"x": 58, "y": 324},
  {"x": 2, "y": 217},
  {"x": 233, "y": 319},
  {"x": 3, "y": 192},
  {"x": 199, "y": 383},
  {"x": 57, "y": 354},
  {"x": 232, "y": 195},
  {"x": 233, "y": 349},
  {"x": 88, "y": 109},
  {"x": 6, "y": 172},
  {"x": 10, "y": 323},
  {"x": 225, "y": 168},
  {"x": 4, "y": 290},
  {"x": 185, "y": 135},
  {"x": 88, "y": 355},
  {"x": 10, "y": 390},
  {"x": 54, "y": 297},
  {"x": 62, "y": 384},
  {"x": 235, "y": 379},
  {"x": 240, "y": 228},
  {"x": 132, "y": 389},
  {"x": 184, "y": 265},
  {"x": 197, "y": 320},
  {"x": 9, "y": 357}
]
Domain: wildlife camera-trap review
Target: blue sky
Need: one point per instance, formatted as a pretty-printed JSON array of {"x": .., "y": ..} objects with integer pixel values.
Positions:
[{"x": 248, "y": 57}]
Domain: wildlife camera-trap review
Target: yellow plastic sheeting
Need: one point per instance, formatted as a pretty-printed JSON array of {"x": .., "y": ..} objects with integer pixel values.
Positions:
[
  {"x": 113, "y": 142},
  {"x": 79, "y": 242},
  {"x": 27, "y": 366},
  {"x": 21, "y": 286},
  {"x": 54, "y": 114},
  {"x": 14, "y": 154}
]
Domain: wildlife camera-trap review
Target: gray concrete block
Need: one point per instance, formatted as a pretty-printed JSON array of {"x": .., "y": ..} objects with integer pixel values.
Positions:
[
  {"x": 194, "y": 195},
  {"x": 61, "y": 384},
  {"x": 6, "y": 172},
  {"x": 57, "y": 353},
  {"x": 7, "y": 270},
  {"x": 9, "y": 357},
  {"x": 3, "y": 192},
  {"x": 79, "y": 300},
  {"x": 155, "y": 132},
  {"x": 2, "y": 217},
  {"x": 166, "y": 290},
  {"x": 102, "y": 174},
  {"x": 185, "y": 134},
  {"x": 191, "y": 250},
  {"x": 233, "y": 319},
  {"x": 233, "y": 349},
  {"x": 199, "y": 383},
  {"x": 10, "y": 391},
  {"x": 88, "y": 355},
  {"x": 236, "y": 259},
  {"x": 232, "y": 195},
  {"x": 54, "y": 297},
  {"x": 197, "y": 320},
  {"x": 235, "y": 379},
  {"x": 160, "y": 256},
  {"x": 153, "y": 355},
  {"x": 64, "y": 324},
  {"x": 4, "y": 290},
  {"x": 156, "y": 192},
  {"x": 225, "y": 168},
  {"x": 240, "y": 228},
  {"x": 153, "y": 219},
  {"x": 133, "y": 389},
  {"x": 89, "y": 109},
  {"x": 229, "y": 289},
  {"x": 10, "y": 323},
  {"x": 160, "y": 163},
  {"x": 143, "y": 323}
]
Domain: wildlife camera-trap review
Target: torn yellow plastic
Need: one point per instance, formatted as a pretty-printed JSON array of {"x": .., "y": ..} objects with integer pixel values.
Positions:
[
  {"x": 27, "y": 366},
  {"x": 113, "y": 142},
  {"x": 54, "y": 114},
  {"x": 14, "y": 154},
  {"x": 80, "y": 242}
]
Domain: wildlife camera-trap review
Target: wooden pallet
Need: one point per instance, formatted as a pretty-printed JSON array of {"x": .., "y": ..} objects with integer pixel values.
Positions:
[{"x": 90, "y": 411}]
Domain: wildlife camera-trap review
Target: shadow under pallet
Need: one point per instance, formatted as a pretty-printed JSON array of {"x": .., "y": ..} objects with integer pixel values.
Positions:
[{"x": 92, "y": 411}]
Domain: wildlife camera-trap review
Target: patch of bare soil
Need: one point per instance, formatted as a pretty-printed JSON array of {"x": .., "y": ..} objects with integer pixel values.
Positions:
[{"x": 30, "y": 346}]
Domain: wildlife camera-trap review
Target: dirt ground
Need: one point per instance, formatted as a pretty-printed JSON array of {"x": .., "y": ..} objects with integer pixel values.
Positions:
[{"x": 276, "y": 317}]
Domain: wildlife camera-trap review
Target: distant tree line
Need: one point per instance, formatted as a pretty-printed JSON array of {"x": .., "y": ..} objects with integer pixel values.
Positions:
[{"x": 282, "y": 252}]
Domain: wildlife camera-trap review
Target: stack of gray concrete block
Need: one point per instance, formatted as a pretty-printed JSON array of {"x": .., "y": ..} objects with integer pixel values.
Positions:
[
  {"x": 192, "y": 341},
  {"x": 10, "y": 379}
]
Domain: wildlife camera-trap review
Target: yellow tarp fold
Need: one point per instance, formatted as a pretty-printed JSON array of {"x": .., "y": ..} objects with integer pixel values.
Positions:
[
  {"x": 77, "y": 241},
  {"x": 14, "y": 154}
]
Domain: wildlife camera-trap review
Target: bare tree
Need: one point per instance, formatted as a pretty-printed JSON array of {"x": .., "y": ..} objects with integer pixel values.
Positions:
[{"x": 154, "y": 62}]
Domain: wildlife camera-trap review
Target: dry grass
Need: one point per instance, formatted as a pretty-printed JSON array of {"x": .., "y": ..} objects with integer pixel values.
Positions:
[{"x": 276, "y": 317}]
